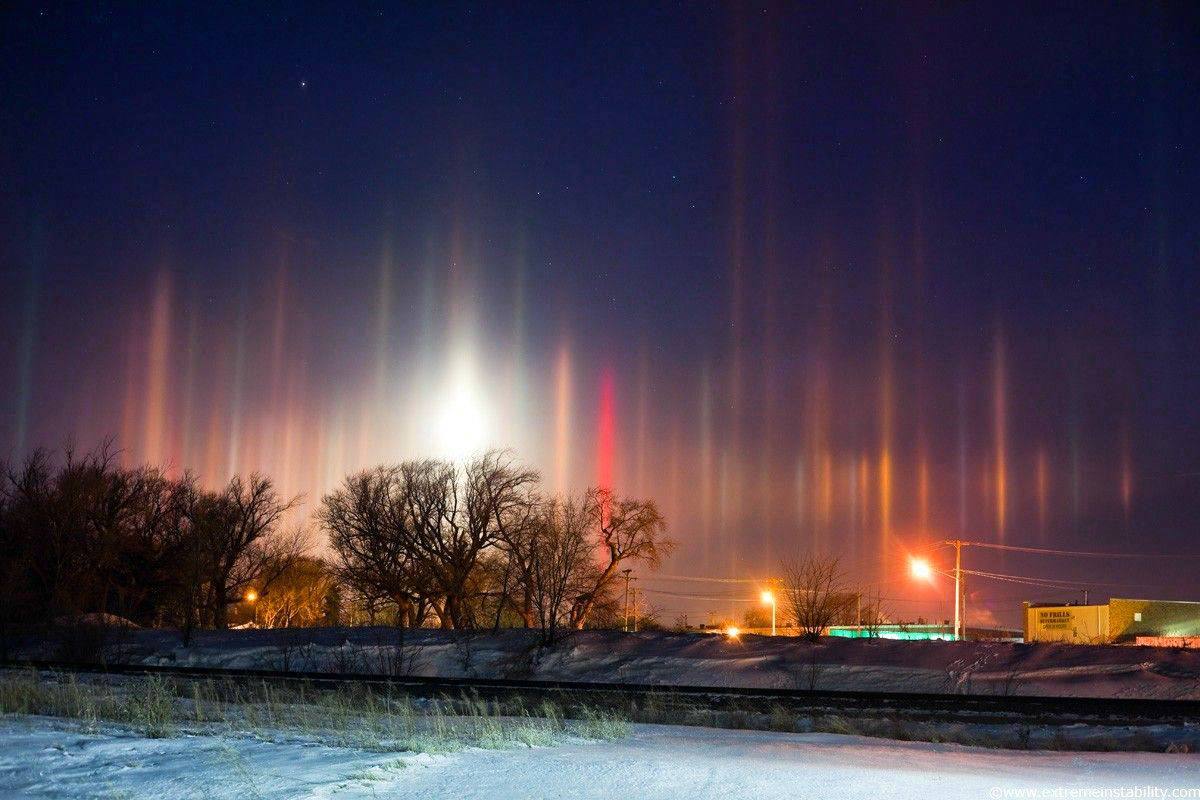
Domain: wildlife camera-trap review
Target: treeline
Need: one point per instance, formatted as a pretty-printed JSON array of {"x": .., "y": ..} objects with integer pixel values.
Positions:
[
  {"x": 425, "y": 542},
  {"x": 478, "y": 544},
  {"x": 82, "y": 535}
]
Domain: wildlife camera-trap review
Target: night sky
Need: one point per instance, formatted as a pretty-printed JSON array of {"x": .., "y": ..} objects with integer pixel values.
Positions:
[{"x": 847, "y": 280}]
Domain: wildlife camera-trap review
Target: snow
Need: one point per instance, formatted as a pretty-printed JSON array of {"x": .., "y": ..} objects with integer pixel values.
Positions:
[
  {"x": 731, "y": 765},
  {"x": 686, "y": 659},
  {"x": 41, "y": 757}
]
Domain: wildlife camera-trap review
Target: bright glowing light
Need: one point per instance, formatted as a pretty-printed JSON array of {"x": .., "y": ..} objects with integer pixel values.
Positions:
[
  {"x": 768, "y": 598},
  {"x": 920, "y": 569},
  {"x": 732, "y": 632},
  {"x": 461, "y": 416},
  {"x": 251, "y": 595},
  {"x": 461, "y": 426}
]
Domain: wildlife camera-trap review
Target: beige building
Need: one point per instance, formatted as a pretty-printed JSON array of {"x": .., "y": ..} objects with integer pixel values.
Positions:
[{"x": 1120, "y": 620}]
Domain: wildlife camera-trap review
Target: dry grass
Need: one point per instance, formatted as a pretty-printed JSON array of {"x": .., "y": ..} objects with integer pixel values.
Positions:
[
  {"x": 385, "y": 721},
  {"x": 675, "y": 709},
  {"x": 149, "y": 705},
  {"x": 352, "y": 717}
]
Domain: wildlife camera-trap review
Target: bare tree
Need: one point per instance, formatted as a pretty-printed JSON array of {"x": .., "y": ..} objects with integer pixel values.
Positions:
[
  {"x": 298, "y": 597},
  {"x": 814, "y": 594},
  {"x": 460, "y": 513},
  {"x": 547, "y": 558},
  {"x": 52, "y": 532},
  {"x": 516, "y": 570},
  {"x": 83, "y": 535},
  {"x": 241, "y": 542},
  {"x": 370, "y": 528},
  {"x": 470, "y": 543},
  {"x": 432, "y": 521},
  {"x": 872, "y": 615},
  {"x": 561, "y": 566},
  {"x": 624, "y": 529}
]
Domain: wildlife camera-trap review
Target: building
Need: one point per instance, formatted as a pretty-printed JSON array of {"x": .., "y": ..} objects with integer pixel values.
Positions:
[
  {"x": 1166, "y": 622},
  {"x": 920, "y": 631}
]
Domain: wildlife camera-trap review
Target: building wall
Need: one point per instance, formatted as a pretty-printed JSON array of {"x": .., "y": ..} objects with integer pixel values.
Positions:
[
  {"x": 1121, "y": 620},
  {"x": 1158, "y": 618},
  {"x": 1079, "y": 624}
]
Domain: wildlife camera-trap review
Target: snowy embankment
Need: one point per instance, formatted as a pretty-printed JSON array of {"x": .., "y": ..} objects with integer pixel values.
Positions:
[
  {"x": 681, "y": 659},
  {"x": 41, "y": 757}
]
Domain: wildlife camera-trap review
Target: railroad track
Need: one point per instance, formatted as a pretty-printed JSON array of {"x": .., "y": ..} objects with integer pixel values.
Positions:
[{"x": 975, "y": 708}]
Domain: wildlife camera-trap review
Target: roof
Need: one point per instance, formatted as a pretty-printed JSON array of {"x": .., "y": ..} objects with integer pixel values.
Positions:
[{"x": 1111, "y": 600}]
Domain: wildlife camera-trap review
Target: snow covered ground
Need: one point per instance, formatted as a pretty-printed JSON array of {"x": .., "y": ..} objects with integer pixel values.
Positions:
[
  {"x": 42, "y": 757},
  {"x": 682, "y": 659}
]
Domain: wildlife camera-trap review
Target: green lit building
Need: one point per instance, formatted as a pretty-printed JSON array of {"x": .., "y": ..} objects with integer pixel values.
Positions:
[{"x": 920, "y": 632}]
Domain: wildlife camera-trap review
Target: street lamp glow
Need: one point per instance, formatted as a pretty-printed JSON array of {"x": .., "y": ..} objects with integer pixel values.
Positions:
[
  {"x": 920, "y": 569},
  {"x": 768, "y": 597},
  {"x": 251, "y": 595},
  {"x": 732, "y": 632}
]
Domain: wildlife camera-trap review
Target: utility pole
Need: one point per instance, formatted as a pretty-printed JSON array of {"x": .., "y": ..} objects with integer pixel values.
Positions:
[
  {"x": 964, "y": 605},
  {"x": 958, "y": 598},
  {"x": 626, "y": 572},
  {"x": 634, "y": 591}
]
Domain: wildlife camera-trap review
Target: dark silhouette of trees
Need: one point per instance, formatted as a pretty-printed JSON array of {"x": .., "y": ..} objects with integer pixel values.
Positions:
[
  {"x": 85, "y": 536},
  {"x": 625, "y": 530},
  {"x": 489, "y": 500},
  {"x": 370, "y": 530},
  {"x": 241, "y": 541},
  {"x": 814, "y": 593},
  {"x": 477, "y": 541},
  {"x": 556, "y": 565},
  {"x": 231, "y": 541},
  {"x": 416, "y": 532},
  {"x": 463, "y": 545}
]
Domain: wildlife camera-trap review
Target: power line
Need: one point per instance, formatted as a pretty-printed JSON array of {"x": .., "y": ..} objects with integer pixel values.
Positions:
[
  {"x": 1041, "y": 584},
  {"x": 701, "y": 578},
  {"x": 936, "y": 546},
  {"x": 1053, "y": 582},
  {"x": 701, "y": 596},
  {"x": 1084, "y": 553}
]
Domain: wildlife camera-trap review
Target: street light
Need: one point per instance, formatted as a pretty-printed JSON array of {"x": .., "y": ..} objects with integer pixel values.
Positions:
[
  {"x": 251, "y": 597},
  {"x": 769, "y": 598},
  {"x": 920, "y": 569},
  {"x": 732, "y": 632}
]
